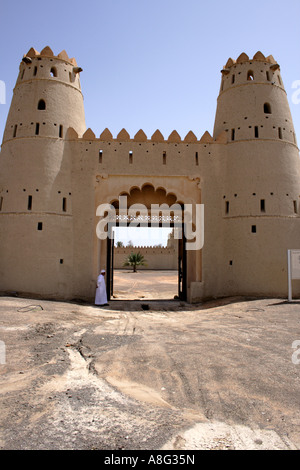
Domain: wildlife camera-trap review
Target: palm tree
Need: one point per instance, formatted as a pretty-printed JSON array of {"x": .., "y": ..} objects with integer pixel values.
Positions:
[{"x": 134, "y": 260}]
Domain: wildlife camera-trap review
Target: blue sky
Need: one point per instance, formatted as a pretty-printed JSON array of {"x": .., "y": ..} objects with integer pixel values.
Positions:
[{"x": 151, "y": 64}]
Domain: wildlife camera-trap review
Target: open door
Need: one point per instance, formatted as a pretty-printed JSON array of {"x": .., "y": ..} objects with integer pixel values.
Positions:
[
  {"x": 182, "y": 284},
  {"x": 110, "y": 266}
]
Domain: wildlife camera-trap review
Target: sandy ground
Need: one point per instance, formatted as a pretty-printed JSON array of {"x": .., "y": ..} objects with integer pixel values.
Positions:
[
  {"x": 213, "y": 376},
  {"x": 145, "y": 284}
]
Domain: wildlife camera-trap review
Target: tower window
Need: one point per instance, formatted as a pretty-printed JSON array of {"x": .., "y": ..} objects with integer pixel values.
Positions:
[
  {"x": 29, "y": 203},
  {"x": 233, "y": 79},
  {"x": 35, "y": 71},
  {"x": 130, "y": 157},
  {"x": 100, "y": 156},
  {"x": 196, "y": 159},
  {"x": 15, "y": 130},
  {"x": 227, "y": 207},
  {"x": 64, "y": 204},
  {"x": 262, "y": 205},
  {"x": 40, "y": 226},
  {"x": 268, "y": 76},
  {"x": 279, "y": 132},
  {"x": 61, "y": 131},
  {"x": 267, "y": 108},
  {"x": 61, "y": 261},
  {"x": 295, "y": 207},
  {"x": 53, "y": 72},
  {"x": 253, "y": 229},
  {"x": 232, "y": 134},
  {"x": 250, "y": 75},
  {"x": 1, "y": 203},
  {"x": 37, "y": 128},
  {"x": 42, "y": 105},
  {"x": 256, "y": 134},
  {"x": 164, "y": 158}
]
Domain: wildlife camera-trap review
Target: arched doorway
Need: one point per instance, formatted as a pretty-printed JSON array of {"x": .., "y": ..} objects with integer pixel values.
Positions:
[{"x": 147, "y": 206}]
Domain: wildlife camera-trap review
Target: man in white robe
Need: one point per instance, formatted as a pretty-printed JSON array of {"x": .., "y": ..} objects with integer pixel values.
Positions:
[{"x": 101, "y": 295}]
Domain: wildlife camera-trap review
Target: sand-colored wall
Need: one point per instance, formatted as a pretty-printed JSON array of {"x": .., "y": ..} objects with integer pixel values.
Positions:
[{"x": 251, "y": 157}]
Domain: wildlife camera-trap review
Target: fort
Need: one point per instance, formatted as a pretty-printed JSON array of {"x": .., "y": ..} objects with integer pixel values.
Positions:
[{"x": 54, "y": 173}]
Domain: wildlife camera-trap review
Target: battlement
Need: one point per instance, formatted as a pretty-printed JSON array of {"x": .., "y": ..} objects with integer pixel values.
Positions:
[
  {"x": 259, "y": 56},
  {"x": 140, "y": 136},
  {"x": 47, "y": 52}
]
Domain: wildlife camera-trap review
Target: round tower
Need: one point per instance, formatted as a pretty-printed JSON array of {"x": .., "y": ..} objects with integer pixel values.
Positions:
[
  {"x": 35, "y": 176},
  {"x": 260, "y": 177}
]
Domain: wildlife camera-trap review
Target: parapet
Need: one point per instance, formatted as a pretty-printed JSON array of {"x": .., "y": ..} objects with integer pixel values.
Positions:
[
  {"x": 259, "y": 56},
  {"x": 140, "y": 136},
  {"x": 47, "y": 52}
]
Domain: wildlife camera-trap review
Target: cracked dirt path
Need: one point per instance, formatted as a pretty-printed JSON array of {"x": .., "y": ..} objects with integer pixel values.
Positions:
[{"x": 216, "y": 376}]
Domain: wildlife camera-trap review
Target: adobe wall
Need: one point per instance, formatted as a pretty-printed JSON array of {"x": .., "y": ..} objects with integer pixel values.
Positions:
[{"x": 155, "y": 258}]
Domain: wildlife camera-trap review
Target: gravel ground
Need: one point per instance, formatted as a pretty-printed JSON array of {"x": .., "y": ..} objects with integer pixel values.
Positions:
[{"x": 158, "y": 375}]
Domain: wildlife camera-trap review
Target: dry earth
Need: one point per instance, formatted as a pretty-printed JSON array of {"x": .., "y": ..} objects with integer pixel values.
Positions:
[{"x": 214, "y": 376}]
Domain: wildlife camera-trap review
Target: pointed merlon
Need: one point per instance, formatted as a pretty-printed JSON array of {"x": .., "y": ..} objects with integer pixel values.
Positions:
[
  {"x": 123, "y": 136},
  {"x": 32, "y": 53},
  {"x": 71, "y": 134},
  {"x": 222, "y": 138},
  {"x": 140, "y": 136},
  {"x": 73, "y": 62},
  {"x": 242, "y": 58},
  {"x": 271, "y": 59},
  {"x": 47, "y": 52},
  {"x": 206, "y": 138},
  {"x": 259, "y": 56},
  {"x": 157, "y": 137},
  {"x": 106, "y": 135},
  {"x": 174, "y": 137},
  {"x": 88, "y": 135},
  {"x": 230, "y": 63},
  {"x": 190, "y": 137},
  {"x": 63, "y": 55}
]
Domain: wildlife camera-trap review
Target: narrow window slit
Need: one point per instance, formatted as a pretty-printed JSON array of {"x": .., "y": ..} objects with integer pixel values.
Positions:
[{"x": 29, "y": 203}]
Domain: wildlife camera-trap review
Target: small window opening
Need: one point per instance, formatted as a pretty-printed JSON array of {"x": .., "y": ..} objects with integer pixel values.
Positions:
[
  {"x": 53, "y": 72},
  {"x": 100, "y": 156},
  {"x": 232, "y": 134},
  {"x": 295, "y": 207},
  {"x": 37, "y": 128},
  {"x": 267, "y": 108},
  {"x": 196, "y": 159},
  {"x": 256, "y": 134},
  {"x": 250, "y": 75},
  {"x": 61, "y": 261},
  {"x": 42, "y": 105},
  {"x": 262, "y": 205},
  {"x": 70, "y": 77},
  {"x": 227, "y": 207},
  {"x": 64, "y": 204},
  {"x": 279, "y": 132},
  {"x": 233, "y": 79},
  {"x": 253, "y": 229},
  {"x": 35, "y": 71},
  {"x": 40, "y": 226},
  {"x": 29, "y": 204},
  {"x": 164, "y": 158},
  {"x": 130, "y": 157},
  {"x": 15, "y": 130},
  {"x": 61, "y": 131},
  {"x": 268, "y": 76},
  {"x": 230, "y": 262}
]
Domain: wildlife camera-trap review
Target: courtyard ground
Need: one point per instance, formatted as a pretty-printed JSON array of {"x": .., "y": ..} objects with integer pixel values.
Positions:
[{"x": 220, "y": 375}]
